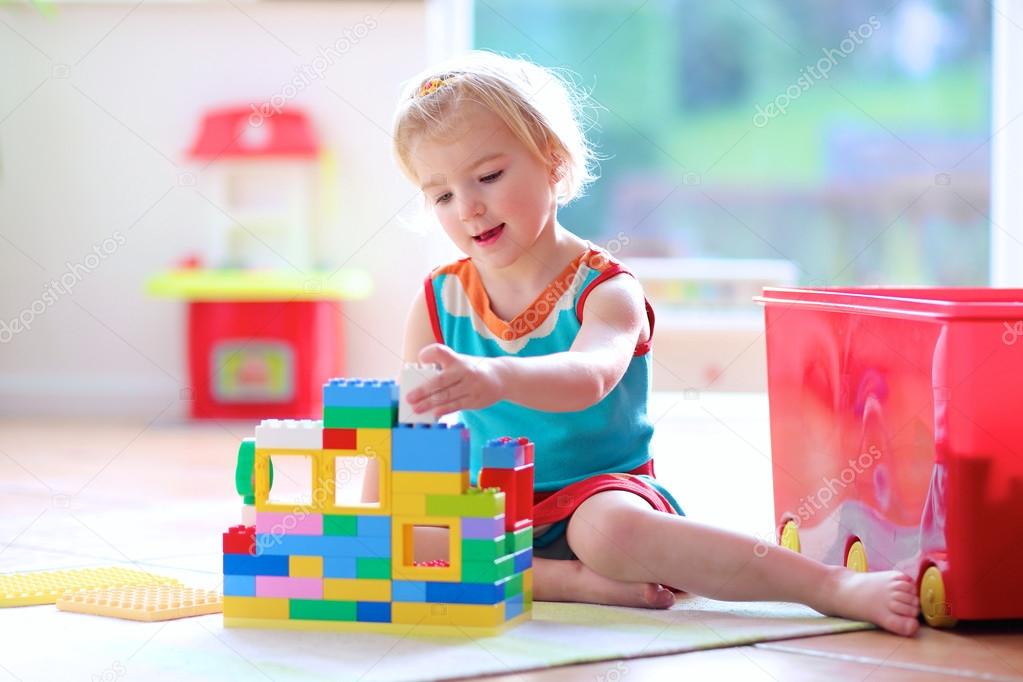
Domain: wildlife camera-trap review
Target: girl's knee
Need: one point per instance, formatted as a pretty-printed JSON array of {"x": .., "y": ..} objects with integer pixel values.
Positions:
[{"x": 608, "y": 527}]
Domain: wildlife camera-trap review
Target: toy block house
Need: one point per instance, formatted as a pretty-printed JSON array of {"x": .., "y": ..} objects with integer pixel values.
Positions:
[{"x": 340, "y": 504}]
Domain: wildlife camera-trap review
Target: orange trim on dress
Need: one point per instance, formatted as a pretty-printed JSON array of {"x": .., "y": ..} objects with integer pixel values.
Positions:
[{"x": 530, "y": 318}]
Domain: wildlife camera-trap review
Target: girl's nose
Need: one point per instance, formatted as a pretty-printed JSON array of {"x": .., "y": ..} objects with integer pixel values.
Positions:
[{"x": 472, "y": 209}]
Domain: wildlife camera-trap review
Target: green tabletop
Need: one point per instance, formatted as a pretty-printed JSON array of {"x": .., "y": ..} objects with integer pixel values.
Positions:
[{"x": 197, "y": 284}]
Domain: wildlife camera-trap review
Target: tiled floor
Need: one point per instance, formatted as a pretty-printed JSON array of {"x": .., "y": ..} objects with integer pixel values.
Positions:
[{"x": 74, "y": 493}]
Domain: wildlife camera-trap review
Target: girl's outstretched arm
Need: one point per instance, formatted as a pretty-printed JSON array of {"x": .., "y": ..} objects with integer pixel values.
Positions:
[{"x": 614, "y": 320}]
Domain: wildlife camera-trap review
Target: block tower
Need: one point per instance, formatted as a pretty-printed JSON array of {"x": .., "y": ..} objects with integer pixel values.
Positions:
[{"x": 325, "y": 561}]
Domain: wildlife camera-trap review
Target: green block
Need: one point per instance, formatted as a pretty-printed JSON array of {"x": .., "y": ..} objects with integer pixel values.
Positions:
[
  {"x": 513, "y": 586},
  {"x": 475, "y": 503},
  {"x": 483, "y": 550},
  {"x": 518, "y": 541},
  {"x": 488, "y": 571},
  {"x": 366, "y": 567},
  {"x": 340, "y": 524},
  {"x": 321, "y": 609},
  {"x": 359, "y": 417}
]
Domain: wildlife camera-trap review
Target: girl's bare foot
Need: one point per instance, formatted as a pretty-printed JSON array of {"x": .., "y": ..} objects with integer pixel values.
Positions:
[
  {"x": 572, "y": 581},
  {"x": 886, "y": 598}
]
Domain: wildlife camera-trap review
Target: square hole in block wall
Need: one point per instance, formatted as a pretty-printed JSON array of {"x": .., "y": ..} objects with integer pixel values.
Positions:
[
  {"x": 424, "y": 544},
  {"x": 356, "y": 481},
  {"x": 292, "y": 480}
]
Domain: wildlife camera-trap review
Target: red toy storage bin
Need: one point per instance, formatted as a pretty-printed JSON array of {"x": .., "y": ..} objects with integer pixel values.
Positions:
[
  {"x": 261, "y": 359},
  {"x": 897, "y": 420}
]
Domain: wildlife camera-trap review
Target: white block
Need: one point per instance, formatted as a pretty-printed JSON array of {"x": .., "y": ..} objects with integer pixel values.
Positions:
[
  {"x": 414, "y": 375},
  {"x": 298, "y": 434}
]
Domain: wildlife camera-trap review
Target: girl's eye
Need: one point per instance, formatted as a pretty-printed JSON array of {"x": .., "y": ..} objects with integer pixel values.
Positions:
[
  {"x": 443, "y": 198},
  {"x": 492, "y": 176}
]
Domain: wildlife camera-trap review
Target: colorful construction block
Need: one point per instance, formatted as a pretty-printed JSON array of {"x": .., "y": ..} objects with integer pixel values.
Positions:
[
  {"x": 483, "y": 503},
  {"x": 359, "y": 417},
  {"x": 148, "y": 603},
  {"x": 359, "y": 393},
  {"x": 414, "y": 375},
  {"x": 44, "y": 587},
  {"x": 330, "y": 561},
  {"x": 340, "y": 439},
  {"x": 503, "y": 453},
  {"x": 430, "y": 447},
  {"x": 300, "y": 434},
  {"x": 240, "y": 540}
]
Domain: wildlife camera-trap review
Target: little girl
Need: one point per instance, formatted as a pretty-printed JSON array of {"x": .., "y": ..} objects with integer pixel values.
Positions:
[{"x": 540, "y": 333}]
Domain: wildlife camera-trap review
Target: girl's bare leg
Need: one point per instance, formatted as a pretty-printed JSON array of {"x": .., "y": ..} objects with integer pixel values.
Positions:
[
  {"x": 617, "y": 535},
  {"x": 569, "y": 580}
]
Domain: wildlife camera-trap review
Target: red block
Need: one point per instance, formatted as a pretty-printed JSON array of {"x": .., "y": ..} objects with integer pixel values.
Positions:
[
  {"x": 528, "y": 449},
  {"x": 339, "y": 439},
  {"x": 240, "y": 540},
  {"x": 517, "y": 485}
]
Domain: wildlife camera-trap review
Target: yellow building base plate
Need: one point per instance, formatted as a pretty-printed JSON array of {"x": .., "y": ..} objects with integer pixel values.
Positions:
[
  {"x": 382, "y": 628},
  {"x": 147, "y": 602},
  {"x": 45, "y": 587}
]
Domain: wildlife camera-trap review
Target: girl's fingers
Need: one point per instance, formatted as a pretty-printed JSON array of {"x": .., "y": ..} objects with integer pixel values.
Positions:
[
  {"x": 436, "y": 398},
  {"x": 453, "y": 405},
  {"x": 442, "y": 382}
]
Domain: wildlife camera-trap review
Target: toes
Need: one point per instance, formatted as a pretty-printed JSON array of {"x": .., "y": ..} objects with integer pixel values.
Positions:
[
  {"x": 906, "y": 598},
  {"x": 658, "y": 597},
  {"x": 904, "y": 609},
  {"x": 901, "y": 626}
]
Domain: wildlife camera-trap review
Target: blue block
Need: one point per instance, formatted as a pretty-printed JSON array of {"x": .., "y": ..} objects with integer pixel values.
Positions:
[
  {"x": 408, "y": 590},
  {"x": 464, "y": 593},
  {"x": 430, "y": 447},
  {"x": 322, "y": 545},
  {"x": 373, "y": 526},
  {"x": 523, "y": 559},
  {"x": 360, "y": 393},
  {"x": 514, "y": 606},
  {"x": 339, "y": 567},
  {"x": 243, "y": 564},
  {"x": 373, "y": 611},
  {"x": 239, "y": 586},
  {"x": 501, "y": 454}
]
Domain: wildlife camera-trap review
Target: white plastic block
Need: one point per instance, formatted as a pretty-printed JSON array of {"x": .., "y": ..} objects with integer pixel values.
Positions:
[
  {"x": 414, "y": 375},
  {"x": 299, "y": 434}
]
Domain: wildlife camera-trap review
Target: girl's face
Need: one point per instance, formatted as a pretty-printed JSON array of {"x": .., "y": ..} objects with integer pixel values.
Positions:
[{"x": 492, "y": 196}]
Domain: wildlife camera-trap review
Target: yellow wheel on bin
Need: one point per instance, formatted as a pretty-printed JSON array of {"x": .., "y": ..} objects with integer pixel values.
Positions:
[
  {"x": 856, "y": 557},
  {"x": 790, "y": 536},
  {"x": 933, "y": 602}
]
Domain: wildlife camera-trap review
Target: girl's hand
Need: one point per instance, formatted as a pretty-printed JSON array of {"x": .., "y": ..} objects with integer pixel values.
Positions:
[{"x": 465, "y": 382}]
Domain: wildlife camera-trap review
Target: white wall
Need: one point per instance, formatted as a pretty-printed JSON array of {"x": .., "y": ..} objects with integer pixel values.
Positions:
[
  {"x": 1007, "y": 147},
  {"x": 97, "y": 106}
]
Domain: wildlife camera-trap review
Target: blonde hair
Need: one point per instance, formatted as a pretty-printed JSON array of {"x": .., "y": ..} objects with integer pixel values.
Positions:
[{"x": 542, "y": 108}]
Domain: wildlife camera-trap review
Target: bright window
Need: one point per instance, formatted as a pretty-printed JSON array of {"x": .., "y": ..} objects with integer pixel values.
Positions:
[{"x": 849, "y": 139}]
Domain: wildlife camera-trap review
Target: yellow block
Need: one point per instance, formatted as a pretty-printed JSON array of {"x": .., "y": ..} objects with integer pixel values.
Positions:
[
  {"x": 398, "y": 629},
  {"x": 356, "y": 589},
  {"x": 328, "y": 473},
  {"x": 262, "y": 481},
  {"x": 256, "y": 607},
  {"x": 305, "y": 566},
  {"x": 430, "y": 483},
  {"x": 471, "y": 615},
  {"x": 146, "y": 602},
  {"x": 402, "y": 551},
  {"x": 45, "y": 587},
  {"x": 406, "y": 504},
  {"x": 374, "y": 443}
]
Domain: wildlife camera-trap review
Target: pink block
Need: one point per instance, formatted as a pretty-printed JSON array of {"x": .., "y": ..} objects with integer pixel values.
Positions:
[
  {"x": 284, "y": 586},
  {"x": 289, "y": 523}
]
